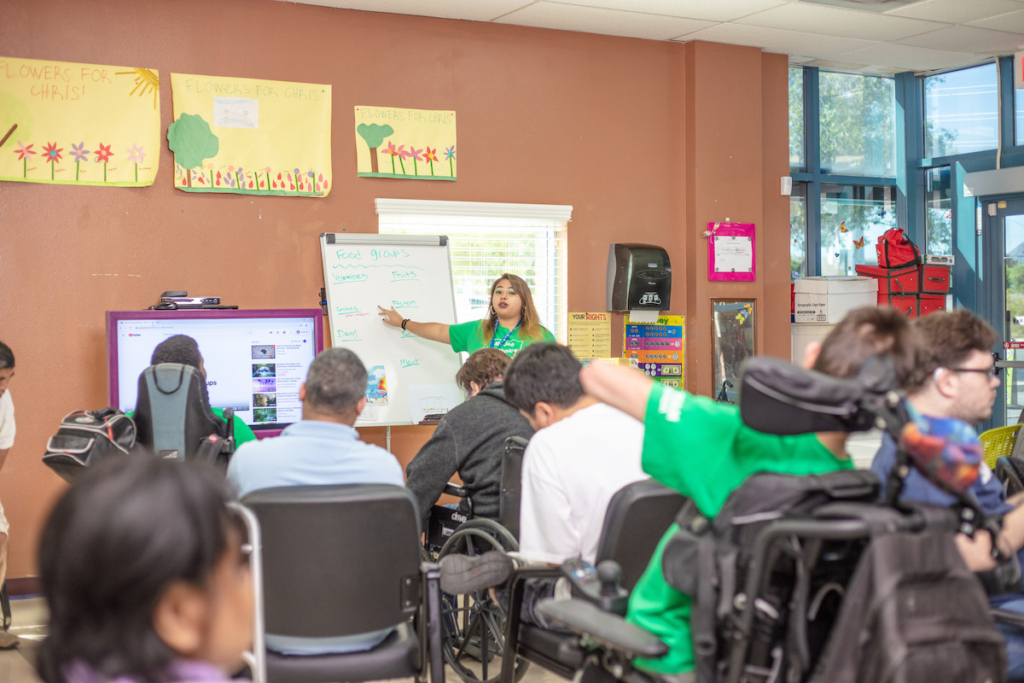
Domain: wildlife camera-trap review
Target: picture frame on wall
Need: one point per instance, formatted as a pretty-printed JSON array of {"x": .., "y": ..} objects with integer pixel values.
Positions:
[{"x": 733, "y": 340}]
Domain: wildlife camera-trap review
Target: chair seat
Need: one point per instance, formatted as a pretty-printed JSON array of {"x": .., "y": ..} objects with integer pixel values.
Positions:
[
  {"x": 396, "y": 657},
  {"x": 558, "y": 651}
]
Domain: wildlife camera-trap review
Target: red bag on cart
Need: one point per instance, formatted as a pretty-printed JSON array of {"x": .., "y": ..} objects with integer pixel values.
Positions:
[{"x": 895, "y": 249}]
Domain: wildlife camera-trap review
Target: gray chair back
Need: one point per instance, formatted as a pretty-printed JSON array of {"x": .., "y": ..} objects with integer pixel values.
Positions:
[{"x": 337, "y": 560}]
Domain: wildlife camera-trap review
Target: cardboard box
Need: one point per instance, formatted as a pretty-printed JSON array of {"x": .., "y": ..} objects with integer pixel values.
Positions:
[{"x": 827, "y": 299}]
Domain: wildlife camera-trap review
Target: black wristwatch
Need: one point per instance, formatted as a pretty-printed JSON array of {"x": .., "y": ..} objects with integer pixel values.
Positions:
[{"x": 404, "y": 323}]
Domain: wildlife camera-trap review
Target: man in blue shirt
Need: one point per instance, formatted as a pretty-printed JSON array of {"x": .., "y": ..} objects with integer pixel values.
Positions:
[
  {"x": 323, "y": 448},
  {"x": 957, "y": 379}
]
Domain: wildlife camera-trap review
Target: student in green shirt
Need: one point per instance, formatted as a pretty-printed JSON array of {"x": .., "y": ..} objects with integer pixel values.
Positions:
[
  {"x": 512, "y": 322},
  {"x": 183, "y": 349},
  {"x": 703, "y": 450}
]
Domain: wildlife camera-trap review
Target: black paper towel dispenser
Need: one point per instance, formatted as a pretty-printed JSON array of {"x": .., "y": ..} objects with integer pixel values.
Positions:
[{"x": 639, "y": 278}]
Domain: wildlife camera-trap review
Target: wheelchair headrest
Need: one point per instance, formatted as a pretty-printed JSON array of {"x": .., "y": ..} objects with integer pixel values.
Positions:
[{"x": 777, "y": 397}]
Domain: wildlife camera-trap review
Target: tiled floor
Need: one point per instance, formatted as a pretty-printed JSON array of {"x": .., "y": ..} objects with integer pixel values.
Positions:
[{"x": 29, "y": 623}]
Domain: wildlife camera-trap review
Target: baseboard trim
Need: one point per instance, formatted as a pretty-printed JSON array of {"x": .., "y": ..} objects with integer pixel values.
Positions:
[{"x": 26, "y": 585}]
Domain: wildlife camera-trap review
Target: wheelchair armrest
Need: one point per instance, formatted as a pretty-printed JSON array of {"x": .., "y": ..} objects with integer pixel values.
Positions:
[
  {"x": 607, "y": 630},
  {"x": 457, "y": 490},
  {"x": 1003, "y": 616}
]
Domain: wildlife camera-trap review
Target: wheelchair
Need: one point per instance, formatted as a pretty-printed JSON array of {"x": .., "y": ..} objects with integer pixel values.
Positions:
[
  {"x": 757, "y": 639},
  {"x": 473, "y": 625},
  {"x": 637, "y": 517}
]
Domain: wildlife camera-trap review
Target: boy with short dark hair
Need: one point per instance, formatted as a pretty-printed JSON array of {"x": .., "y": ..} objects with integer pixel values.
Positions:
[{"x": 7, "y": 430}]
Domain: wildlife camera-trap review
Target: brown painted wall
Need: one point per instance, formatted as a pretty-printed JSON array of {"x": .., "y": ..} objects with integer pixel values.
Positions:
[{"x": 608, "y": 125}]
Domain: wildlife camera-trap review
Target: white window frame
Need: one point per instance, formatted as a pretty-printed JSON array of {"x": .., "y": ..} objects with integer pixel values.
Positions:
[{"x": 548, "y": 223}]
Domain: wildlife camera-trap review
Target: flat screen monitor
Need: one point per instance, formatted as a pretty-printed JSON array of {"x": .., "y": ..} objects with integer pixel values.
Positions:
[{"x": 254, "y": 360}]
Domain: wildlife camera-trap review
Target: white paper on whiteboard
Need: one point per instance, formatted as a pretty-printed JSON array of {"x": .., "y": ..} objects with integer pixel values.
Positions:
[
  {"x": 733, "y": 254},
  {"x": 369, "y": 413},
  {"x": 432, "y": 399},
  {"x": 236, "y": 112}
]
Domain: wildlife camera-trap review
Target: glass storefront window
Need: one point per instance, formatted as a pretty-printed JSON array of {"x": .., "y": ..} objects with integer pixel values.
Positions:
[
  {"x": 961, "y": 111},
  {"x": 858, "y": 124},
  {"x": 938, "y": 208},
  {"x": 798, "y": 231},
  {"x": 796, "y": 119},
  {"x": 853, "y": 217}
]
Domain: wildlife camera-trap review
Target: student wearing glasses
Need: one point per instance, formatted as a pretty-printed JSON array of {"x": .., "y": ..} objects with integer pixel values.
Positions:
[
  {"x": 511, "y": 325},
  {"x": 957, "y": 378}
]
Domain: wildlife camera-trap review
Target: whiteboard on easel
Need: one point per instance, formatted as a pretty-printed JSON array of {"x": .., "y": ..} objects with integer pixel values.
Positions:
[{"x": 409, "y": 377}]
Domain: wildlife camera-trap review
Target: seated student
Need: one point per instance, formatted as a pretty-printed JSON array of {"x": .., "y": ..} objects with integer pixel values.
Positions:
[
  {"x": 582, "y": 454},
  {"x": 323, "y": 448},
  {"x": 703, "y": 450},
  {"x": 956, "y": 378},
  {"x": 142, "y": 568},
  {"x": 470, "y": 439},
  {"x": 183, "y": 349}
]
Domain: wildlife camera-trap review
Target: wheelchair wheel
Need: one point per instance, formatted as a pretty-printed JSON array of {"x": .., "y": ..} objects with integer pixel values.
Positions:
[{"x": 473, "y": 625}]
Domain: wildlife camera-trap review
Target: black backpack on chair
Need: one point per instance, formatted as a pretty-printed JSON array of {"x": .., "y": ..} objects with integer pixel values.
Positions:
[{"x": 84, "y": 438}]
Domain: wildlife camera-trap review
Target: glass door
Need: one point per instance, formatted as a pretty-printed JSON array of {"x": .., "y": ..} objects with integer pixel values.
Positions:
[{"x": 1004, "y": 272}]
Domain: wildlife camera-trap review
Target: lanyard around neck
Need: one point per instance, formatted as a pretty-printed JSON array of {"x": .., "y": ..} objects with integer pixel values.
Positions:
[{"x": 501, "y": 345}]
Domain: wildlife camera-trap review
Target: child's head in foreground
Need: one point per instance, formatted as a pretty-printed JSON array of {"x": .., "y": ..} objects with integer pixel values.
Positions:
[{"x": 142, "y": 567}]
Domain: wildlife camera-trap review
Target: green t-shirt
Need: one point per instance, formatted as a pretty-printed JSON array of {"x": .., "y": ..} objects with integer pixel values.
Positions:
[
  {"x": 468, "y": 337},
  {"x": 243, "y": 432},
  {"x": 703, "y": 450}
]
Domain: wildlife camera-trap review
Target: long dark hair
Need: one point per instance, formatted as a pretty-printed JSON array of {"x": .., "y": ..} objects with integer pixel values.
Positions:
[
  {"x": 529, "y": 328},
  {"x": 113, "y": 544}
]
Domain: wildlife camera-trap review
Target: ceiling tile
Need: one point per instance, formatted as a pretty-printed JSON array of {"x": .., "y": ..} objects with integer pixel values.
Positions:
[
  {"x": 799, "y": 59},
  {"x": 604, "y": 21},
  {"x": 908, "y": 58},
  {"x": 832, "y": 21},
  {"x": 956, "y": 11},
  {"x": 472, "y": 10},
  {"x": 967, "y": 39},
  {"x": 709, "y": 10},
  {"x": 775, "y": 40},
  {"x": 1013, "y": 22}
]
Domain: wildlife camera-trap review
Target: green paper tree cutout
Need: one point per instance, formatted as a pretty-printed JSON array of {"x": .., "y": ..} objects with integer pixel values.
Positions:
[
  {"x": 373, "y": 135},
  {"x": 192, "y": 142}
]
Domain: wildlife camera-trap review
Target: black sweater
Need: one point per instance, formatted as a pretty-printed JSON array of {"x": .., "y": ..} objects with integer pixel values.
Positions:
[{"x": 469, "y": 440}]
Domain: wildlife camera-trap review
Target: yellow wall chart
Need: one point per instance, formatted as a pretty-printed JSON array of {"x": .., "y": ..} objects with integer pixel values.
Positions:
[
  {"x": 250, "y": 136},
  {"x": 78, "y": 124},
  {"x": 413, "y": 144}
]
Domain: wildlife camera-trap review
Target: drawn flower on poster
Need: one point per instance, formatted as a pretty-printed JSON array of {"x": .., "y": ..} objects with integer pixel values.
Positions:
[
  {"x": 449, "y": 154},
  {"x": 80, "y": 153},
  {"x": 23, "y": 152},
  {"x": 136, "y": 155},
  {"x": 103, "y": 154},
  {"x": 52, "y": 154},
  {"x": 431, "y": 156}
]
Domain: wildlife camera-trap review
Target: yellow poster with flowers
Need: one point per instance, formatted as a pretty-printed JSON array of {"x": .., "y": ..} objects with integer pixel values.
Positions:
[
  {"x": 250, "y": 136},
  {"x": 78, "y": 124},
  {"x": 410, "y": 144}
]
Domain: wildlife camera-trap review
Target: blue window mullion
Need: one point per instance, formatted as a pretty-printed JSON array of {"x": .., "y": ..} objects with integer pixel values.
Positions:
[{"x": 812, "y": 151}]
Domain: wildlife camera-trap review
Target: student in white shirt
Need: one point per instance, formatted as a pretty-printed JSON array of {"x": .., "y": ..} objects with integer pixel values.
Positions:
[{"x": 582, "y": 453}]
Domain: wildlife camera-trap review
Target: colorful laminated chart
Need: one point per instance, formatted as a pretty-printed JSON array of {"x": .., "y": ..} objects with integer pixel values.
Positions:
[
  {"x": 250, "y": 136},
  {"x": 657, "y": 348},
  {"x": 78, "y": 124},
  {"x": 411, "y": 144}
]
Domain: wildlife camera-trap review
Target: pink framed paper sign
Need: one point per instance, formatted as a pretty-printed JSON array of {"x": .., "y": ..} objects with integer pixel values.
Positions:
[{"x": 732, "y": 256}]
